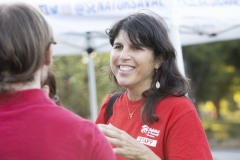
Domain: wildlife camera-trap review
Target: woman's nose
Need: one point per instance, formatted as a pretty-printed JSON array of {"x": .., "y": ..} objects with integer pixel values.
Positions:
[{"x": 125, "y": 54}]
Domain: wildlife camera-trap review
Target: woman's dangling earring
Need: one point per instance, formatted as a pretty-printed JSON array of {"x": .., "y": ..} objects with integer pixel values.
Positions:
[{"x": 158, "y": 85}]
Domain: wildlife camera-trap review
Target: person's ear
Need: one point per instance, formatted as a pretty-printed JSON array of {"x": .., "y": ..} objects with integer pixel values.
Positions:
[
  {"x": 48, "y": 59},
  {"x": 158, "y": 62}
]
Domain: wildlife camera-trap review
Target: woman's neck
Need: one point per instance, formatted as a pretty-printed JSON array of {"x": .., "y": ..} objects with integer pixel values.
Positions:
[{"x": 134, "y": 95}]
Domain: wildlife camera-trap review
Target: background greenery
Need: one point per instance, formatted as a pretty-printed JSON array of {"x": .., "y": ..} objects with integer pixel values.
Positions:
[{"x": 214, "y": 70}]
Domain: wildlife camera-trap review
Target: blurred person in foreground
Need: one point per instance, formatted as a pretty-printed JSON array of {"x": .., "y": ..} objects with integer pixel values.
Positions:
[
  {"x": 152, "y": 119},
  {"x": 32, "y": 126}
]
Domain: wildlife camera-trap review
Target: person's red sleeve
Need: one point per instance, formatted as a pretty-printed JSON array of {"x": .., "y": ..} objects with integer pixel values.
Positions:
[
  {"x": 103, "y": 149},
  {"x": 187, "y": 139}
]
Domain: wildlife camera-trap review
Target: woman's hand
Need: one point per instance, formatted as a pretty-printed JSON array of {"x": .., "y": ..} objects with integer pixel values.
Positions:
[{"x": 126, "y": 145}]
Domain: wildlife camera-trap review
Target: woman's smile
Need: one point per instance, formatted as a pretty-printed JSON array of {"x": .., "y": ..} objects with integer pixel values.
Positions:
[{"x": 126, "y": 68}]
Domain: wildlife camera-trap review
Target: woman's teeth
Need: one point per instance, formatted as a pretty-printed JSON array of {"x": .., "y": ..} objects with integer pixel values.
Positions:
[{"x": 126, "y": 68}]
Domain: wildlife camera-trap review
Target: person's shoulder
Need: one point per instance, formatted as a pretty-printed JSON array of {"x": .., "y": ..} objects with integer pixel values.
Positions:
[
  {"x": 177, "y": 100},
  {"x": 178, "y": 104},
  {"x": 74, "y": 123},
  {"x": 173, "y": 108},
  {"x": 60, "y": 115},
  {"x": 65, "y": 114}
]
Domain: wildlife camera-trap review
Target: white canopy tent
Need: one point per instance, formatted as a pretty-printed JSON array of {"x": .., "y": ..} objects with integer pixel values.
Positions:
[{"x": 79, "y": 25}]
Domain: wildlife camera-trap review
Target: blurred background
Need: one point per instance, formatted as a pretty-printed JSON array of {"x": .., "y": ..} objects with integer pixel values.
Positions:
[{"x": 205, "y": 33}]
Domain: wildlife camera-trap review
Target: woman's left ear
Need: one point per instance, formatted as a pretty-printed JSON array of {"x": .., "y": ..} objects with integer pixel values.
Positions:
[
  {"x": 48, "y": 59},
  {"x": 158, "y": 62}
]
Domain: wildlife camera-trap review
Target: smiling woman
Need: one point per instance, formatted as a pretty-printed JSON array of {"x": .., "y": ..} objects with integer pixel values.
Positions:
[{"x": 153, "y": 118}]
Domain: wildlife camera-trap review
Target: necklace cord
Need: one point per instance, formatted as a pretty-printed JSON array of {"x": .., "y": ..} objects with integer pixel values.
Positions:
[{"x": 130, "y": 114}]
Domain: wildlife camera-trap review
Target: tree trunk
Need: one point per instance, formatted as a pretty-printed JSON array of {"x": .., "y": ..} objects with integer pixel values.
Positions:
[{"x": 217, "y": 105}]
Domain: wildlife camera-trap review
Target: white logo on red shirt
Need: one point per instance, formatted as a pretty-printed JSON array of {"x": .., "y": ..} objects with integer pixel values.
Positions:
[{"x": 150, "y": 132}]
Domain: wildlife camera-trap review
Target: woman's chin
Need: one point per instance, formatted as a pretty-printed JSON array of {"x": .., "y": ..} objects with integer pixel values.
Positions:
[{"x": 125, "y": 85}]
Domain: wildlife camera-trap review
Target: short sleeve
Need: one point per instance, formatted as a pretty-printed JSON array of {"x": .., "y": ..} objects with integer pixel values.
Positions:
[
  {"x": 102, "y": 148},
  {"x": 187, "y": 139}
]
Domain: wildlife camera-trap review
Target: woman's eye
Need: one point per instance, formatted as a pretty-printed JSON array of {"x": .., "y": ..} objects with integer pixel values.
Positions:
[
  {"x": 137, "y": 48},
  {"x": 117, "y": 47}
]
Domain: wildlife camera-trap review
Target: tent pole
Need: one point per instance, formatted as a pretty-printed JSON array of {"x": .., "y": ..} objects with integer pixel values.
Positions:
[
  {"x": 175, "y": 37},
  {"x": 176, "y": 41},
  {"x": 91, "y": 81},
  {"x": 92, "y": 88}
]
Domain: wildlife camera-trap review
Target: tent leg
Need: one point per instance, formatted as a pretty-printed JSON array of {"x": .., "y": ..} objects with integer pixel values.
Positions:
[
  {"x": 176, "y": 41},
  {"x": 92, "y": 88}
]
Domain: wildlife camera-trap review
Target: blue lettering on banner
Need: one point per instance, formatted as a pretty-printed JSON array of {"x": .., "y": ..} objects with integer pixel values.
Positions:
[
  {"x": 98, "y": 7},
  {"x": 44, "y": 9},
  {"x": 92, "y": 8},
  {"x": 104, "y": 7},
  {"x": 144, "y": 4},
  {"x": 49, "y": 10},
  {"x": 54, "y": 9},
  {"x": 140, "y": 4},
  {"x": 79, "y": 10}
]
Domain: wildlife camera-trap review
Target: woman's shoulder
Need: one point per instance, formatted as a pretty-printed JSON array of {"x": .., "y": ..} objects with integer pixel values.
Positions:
[
  {"x": 180, "y": 105},
  {"x": 176, "y": 100}
]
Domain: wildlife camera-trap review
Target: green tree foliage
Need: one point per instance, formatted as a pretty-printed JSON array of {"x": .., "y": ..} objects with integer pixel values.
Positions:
[
  {"x": 214, "y": 69},
  {"x": 72, "y": 81}
]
